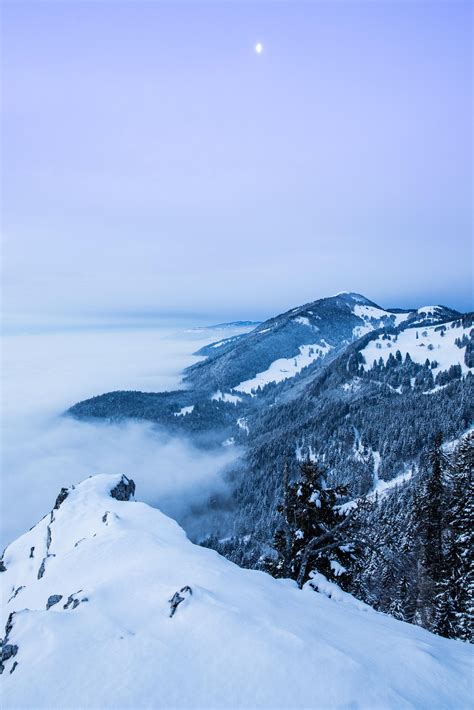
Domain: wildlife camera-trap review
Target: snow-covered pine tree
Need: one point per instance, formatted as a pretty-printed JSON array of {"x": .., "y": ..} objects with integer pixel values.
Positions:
[
  {"x": 313, "y": 532},
  {"x": 455, "y": 601},
  {"x": 429, "y": 523},
  {"x": 446, "y": 593}
]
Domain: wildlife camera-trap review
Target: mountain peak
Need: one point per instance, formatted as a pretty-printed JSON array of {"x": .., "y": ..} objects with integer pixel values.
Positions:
[{"x": 354, "y": 297}]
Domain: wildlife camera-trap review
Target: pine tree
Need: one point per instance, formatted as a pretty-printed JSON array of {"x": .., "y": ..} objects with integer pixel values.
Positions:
[
  {"x": 445, "y": 615},
  {"x": 398, "y": 605},
  {"x": 461, "y": 529},
  {"x": 311, "y": 536},
  {"x": 429, "y": 523}
]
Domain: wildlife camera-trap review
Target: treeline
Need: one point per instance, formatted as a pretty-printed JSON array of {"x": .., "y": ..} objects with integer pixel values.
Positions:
[
  {"x": 422, "y": 570},
  {"x": 410, "y": 554}
]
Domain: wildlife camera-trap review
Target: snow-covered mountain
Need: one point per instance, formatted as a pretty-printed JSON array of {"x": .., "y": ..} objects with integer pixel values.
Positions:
[
  {"x": 282, "y": 347},
  {"x": 88, "y": 624},
  {"x": 234, "y": 369},
  {"x": 365, "y": 400}
]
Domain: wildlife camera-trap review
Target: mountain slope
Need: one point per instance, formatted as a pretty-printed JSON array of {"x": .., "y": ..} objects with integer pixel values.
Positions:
[
  {"x": 240, "y": 639},
  {"x": 365, "y": 421},
  {"x": 276, "y": 360},
  {"x": 281, "y": 347}
]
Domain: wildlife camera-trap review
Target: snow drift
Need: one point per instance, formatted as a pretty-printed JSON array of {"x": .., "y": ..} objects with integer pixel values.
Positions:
[{"x": 87, "y": 614}]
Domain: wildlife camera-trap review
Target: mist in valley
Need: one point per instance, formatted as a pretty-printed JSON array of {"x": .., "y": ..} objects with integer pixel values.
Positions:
[{"x": 42, "y": 449}]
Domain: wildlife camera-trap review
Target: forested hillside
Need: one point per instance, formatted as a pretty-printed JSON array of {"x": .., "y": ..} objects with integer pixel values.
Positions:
[{"x": 361, "y": 392}]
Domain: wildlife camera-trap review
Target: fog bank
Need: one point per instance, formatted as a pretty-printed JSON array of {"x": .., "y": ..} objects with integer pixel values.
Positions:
[{"x": 42, "y": 450}]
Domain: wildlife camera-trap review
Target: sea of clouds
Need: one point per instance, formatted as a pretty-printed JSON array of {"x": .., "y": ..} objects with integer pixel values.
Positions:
[{"x": 43, "y": 373}]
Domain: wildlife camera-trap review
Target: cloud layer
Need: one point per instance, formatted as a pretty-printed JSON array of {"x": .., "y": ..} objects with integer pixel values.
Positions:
[{"x": 42, "y": 450}]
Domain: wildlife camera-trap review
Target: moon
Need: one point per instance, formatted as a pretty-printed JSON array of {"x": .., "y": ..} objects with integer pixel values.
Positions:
[{"x": 259, "y": 47}]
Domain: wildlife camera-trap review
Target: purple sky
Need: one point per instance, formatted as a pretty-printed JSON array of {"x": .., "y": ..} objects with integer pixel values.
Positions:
[{"x": 152, "y": 161}]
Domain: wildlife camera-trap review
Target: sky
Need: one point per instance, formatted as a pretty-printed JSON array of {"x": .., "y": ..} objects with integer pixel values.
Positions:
[{"x": 154, "y": 163}]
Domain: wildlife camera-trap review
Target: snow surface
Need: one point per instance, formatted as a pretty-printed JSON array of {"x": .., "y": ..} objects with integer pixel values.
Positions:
[
  {"x": 285, "y": 368},
  {"x": 302, "y": 320},
  {"x": 429, "y": 344},
  {"x": 429, "y": 310},
  {"x": 225, "y": 341},
  {"x": 373, "y": 316},
  {"x": 309, "y": 453},
  {"x": 226, "y": 397},
  {"x": 219, "y": 344},
  {"x": 184, "y": 410},
  {"x": 241, "y": 639},
  {"x": 380, "y": 488},
  {"x": 242, "y": 423}
]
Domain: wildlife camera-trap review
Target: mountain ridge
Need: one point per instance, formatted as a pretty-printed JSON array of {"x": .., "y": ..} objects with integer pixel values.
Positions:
[
  {"x": 367, "y": 409},
  {"x": 324, "y": 326}
]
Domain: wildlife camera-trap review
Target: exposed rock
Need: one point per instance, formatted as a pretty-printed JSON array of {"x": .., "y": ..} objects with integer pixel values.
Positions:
[
  {"x": 123, "y": 490},
  {"x": 104, "y": 517},
  {"x": 63, "y": 494},
  {"x": 17, "y": 590},
  {"x": 48, "y": 538},
  {"x": 72, "y": 601},
  {"x": 52, "y": 600},
  {"x": 32, "y": 552},
  {"x": 13, "y": 667},
  {"x": 2, "y": 566},
  {"x": 8, "y": 651},
  {"x": 9, "y": 625},
  {"x": 42, "y": 568},
  {"x": 176, "y": 599}
]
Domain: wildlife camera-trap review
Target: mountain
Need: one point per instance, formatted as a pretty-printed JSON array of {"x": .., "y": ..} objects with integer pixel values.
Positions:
[
  {"x": 283, "y": 346},
  {"x": 360, "y": 387},
  {"x": 287, "y": 350},
  {"x": 88, "y": 624},
  {"x": 360, "y": 391},
  {"x": 369, "y": 416}
]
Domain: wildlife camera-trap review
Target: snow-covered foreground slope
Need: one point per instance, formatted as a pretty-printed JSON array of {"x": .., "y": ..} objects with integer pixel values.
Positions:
[{"x": 240, "y": 639}]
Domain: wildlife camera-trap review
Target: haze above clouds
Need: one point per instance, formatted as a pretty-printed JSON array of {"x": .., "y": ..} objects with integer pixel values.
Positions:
[{"x": 154, "y": 162}]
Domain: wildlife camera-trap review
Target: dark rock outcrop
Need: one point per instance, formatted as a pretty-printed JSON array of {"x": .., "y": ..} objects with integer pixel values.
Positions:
[
  {"x": 63, "y": 494},
  {"x": 42, "y": 568},
  {"x": 8, "y": 650},
  {"x": 52, "y": 600},
  {"x": 176, "y": 599},
  {"x": 73, "y": 602},
  {"x": 124, "y": 490}
]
